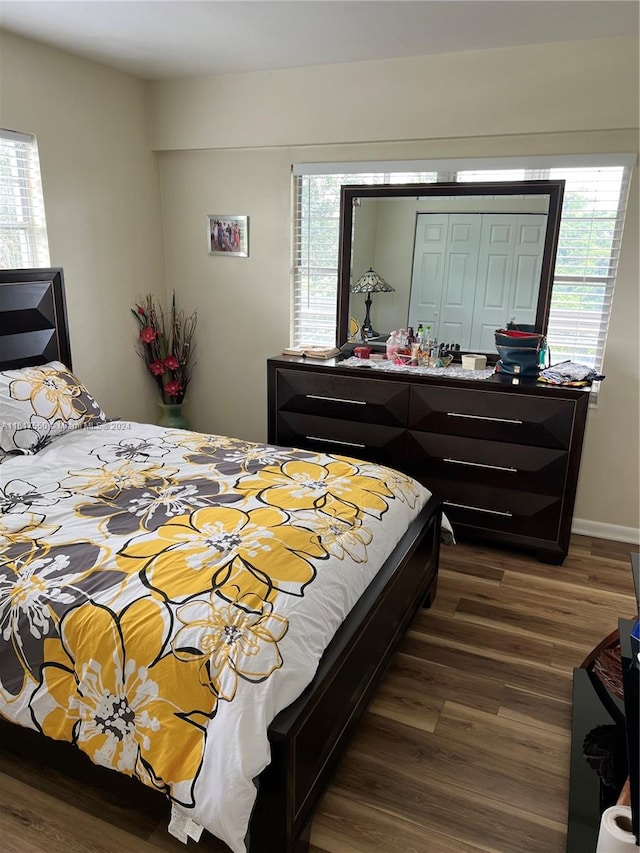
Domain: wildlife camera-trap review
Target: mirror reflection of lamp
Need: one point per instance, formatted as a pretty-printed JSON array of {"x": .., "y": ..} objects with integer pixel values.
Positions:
[{"x": 370, "y": 283}]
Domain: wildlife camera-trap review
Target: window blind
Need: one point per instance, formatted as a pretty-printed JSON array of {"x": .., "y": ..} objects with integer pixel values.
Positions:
[
  {"x": 591, "y": 229},
  {"x": 589, "y": 244},
  {"x": 23, "y": 231},
  {"x": 316, "y": 239}
]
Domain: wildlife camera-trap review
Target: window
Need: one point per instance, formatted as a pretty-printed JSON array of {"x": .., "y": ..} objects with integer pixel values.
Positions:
[
  {"x": 588, "y": 249},
  {"x": 23, "y": 231},
  {"x": 589, "y": 244},
  {"x": 317, "y": 232}
]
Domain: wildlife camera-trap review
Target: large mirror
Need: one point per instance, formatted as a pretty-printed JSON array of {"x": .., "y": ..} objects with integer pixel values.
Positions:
[{"x": 462, "y": 258}]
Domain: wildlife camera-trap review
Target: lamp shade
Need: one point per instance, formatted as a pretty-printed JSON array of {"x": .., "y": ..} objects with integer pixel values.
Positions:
[{"x": 371, "y": 282}]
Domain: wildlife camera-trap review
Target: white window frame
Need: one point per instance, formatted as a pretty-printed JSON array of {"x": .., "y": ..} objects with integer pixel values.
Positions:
[
  {"x": 579, "y": 334},
  {"x": 23, "y": 229}
]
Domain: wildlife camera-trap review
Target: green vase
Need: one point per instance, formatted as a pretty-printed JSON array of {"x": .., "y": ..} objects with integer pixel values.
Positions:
[{"x": 172, "y": 417}]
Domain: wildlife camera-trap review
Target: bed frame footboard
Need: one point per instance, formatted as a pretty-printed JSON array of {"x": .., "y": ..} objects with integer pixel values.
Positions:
[{"x": 308, "y": 737}]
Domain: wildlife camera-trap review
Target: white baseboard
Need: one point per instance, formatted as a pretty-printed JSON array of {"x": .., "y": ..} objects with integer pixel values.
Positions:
[{"x": 599, "y": 530}]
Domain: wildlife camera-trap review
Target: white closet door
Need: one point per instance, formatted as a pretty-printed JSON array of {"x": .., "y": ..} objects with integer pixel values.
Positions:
[
  {"x": 527, "y": 265},
  {"x": 511, "y": 249},
  {"x": 445, "y": 266},
  {"x": 473, "y": 273},
  {"x": 460, "y": 275},
  {"x": 494, "y": 284},
  {"x": 428, "y": 269}
]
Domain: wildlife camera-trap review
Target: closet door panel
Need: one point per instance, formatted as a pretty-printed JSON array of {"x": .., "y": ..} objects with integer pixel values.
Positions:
[
  {"x": 527, "y": 264},
  {"x": 495, "y": 267},
  {"x": 428, "y": 269},
  {"x": 460, "y": 274},
  {"x": 509, "y": 265}
]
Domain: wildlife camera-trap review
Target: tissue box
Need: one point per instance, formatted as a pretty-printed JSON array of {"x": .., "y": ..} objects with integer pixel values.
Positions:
[{"x": 474, "y": 362}]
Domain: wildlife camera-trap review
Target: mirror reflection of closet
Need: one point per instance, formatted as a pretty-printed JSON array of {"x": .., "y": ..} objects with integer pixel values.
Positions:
[
  {"x": 463, "y": 258},
  {"x": 473, "y": 271}
]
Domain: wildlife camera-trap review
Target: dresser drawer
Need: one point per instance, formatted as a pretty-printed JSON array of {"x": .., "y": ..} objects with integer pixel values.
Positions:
[
  {"x": 478, "y": 506},
  {"x": 492, "y": 415},
  {"x": 497, "y": 464},
  {"x": 374, "y": 442},
  {"x": 366, "y": 401}
]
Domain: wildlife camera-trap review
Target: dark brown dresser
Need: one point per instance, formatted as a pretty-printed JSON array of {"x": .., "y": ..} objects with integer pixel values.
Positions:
[{"x": 503, "y": 457}]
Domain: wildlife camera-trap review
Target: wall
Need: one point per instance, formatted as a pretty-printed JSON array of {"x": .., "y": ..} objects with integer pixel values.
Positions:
[
  {"x": 235, "y": 138},
  {"x": 610, "y": 471},
  {"x": 525, "y": 89},
  {"x": 102, "y": 205}
]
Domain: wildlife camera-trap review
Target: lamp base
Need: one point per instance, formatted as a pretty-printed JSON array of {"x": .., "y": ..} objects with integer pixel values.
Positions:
[{"x": 367, "y": 331}]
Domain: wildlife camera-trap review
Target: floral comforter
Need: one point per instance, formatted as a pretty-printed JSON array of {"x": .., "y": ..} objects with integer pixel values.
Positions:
[{"x": 164, "y": 594}]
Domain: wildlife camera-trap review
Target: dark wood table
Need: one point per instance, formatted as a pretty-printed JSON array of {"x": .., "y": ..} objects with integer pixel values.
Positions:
[{"x": 604, "y": 736}]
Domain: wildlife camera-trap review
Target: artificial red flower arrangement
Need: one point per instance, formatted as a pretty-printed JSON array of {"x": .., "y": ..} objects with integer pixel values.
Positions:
[{"x": 166, "y": 345}]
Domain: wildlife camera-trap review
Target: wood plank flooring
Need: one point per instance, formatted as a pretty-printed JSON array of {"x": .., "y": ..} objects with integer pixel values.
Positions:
[{"x": 465, "y": 748}]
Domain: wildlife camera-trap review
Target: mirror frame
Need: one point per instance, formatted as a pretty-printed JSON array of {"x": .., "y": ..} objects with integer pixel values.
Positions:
[{"x": 349, "y": 192}]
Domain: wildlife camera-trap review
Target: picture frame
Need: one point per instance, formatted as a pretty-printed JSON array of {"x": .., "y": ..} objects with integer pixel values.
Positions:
[{"x": 228, "y": 235}]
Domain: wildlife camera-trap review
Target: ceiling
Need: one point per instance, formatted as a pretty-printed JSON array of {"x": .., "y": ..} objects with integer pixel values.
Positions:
[{"x": 161, "y": 39}]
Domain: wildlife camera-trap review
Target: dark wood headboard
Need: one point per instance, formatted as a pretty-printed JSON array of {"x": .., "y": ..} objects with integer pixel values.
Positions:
[{"x": 33, "y": 318}]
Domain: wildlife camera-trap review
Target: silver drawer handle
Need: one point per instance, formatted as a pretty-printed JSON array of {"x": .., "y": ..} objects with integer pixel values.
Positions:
[
  {"x": 481, "y": 465},
  {"x": 334, "y": 441},
  {"x": 336, "y": 400},
  {"x": 484, "y": 418},
  {"x": 479, "y": 509}
]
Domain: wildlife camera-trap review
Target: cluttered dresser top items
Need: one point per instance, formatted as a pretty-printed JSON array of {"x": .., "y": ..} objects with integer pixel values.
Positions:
[{"x": 419, "y": 353}]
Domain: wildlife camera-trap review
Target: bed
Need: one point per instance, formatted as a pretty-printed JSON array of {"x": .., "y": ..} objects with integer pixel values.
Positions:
[{"x": 279, "y": 581}]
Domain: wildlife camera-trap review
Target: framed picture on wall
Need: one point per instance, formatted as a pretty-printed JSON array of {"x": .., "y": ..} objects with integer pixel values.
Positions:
[{"x": 228, "y": 235}]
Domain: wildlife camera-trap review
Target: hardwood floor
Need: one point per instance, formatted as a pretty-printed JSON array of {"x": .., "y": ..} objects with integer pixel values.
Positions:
[{"x": 465, "y": 748}]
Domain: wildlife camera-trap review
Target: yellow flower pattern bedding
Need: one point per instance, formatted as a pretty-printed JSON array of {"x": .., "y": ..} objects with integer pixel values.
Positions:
[{"x": 164, "y": 594}]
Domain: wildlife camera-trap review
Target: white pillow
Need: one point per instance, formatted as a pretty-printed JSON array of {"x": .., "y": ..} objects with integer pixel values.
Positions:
[{"x": 40, "y": 403}]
